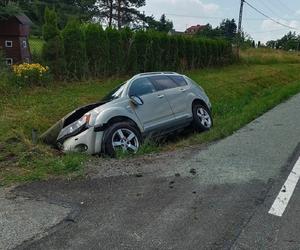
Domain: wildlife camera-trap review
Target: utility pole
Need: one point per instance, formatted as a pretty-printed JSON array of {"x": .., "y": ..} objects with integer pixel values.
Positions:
[
  {"x": 144, "y": 16},
  {"x": 240, "y": 28}
]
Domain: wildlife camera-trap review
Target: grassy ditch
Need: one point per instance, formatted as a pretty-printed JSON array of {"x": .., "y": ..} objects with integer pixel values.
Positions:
[{"x": 239, "y": 94}]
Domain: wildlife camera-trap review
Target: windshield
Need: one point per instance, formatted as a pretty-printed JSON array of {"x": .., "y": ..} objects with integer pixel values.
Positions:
[{"x": 115, "y": 93}]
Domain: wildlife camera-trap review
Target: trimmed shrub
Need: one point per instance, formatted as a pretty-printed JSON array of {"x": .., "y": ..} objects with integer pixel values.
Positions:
[
  {"x": 125, "y": 40},
  {"x": 114, "y": 50},
  {"x": 75, "y": 50},
  {"x": 141, "y": 43},
  {"x": 132, "y": 63},
  {"x": 96, "y": 49},
  {"x": 53, "y": 48},
  {"x": 94, "y": 52}
]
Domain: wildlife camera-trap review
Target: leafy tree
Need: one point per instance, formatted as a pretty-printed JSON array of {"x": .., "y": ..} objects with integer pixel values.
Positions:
[
  {"x": 53, "y": 48},
  {"x": 290, "y": 41}
]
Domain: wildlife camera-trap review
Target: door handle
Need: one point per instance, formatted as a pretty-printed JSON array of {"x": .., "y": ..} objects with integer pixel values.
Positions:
[
  {"x": 160, "y": 96},
  {"x": 182, "y": 90}
]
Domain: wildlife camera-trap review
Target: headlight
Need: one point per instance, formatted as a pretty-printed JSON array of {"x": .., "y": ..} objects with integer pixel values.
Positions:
[{"x": 75, "y": 127}]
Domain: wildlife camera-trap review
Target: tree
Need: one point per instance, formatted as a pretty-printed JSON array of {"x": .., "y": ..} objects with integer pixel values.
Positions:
[
  {"x": 228, "y": 29},
  {"x": 8, "y": 8},
  {"x": 290, "y": 41},
  {"x": 209, "y": 32},
  {"x": 163, "y": 25},
  {"x": 83, "y": 10},
  {"x": 119, "y": 13},
  {"x": 53, "y": 48}
]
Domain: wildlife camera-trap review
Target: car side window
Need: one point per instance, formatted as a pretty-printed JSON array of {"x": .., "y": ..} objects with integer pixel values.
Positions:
[
  {"x": 141, "y": 86},
  {"x": 163, "y": 82},
  {"x": 179, "y": 80}
]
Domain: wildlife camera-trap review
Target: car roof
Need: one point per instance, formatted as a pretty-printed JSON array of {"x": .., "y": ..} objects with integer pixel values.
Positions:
[{"x": 154, "y": 74}]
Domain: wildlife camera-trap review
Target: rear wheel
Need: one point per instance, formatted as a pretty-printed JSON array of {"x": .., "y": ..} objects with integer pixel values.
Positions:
[
  {"x": 121, "y": 137},
  {"x": 202, "y": 117}
]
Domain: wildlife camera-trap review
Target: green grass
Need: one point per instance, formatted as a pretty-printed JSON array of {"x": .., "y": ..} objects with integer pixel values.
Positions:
[
  {"x": 269, "y": 56},
  {"x": 239, "y": 94},
  {"x": 36, "y": 45}
]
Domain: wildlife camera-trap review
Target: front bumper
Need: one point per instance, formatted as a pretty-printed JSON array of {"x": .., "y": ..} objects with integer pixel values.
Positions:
[{"x": 88, "y": 141}]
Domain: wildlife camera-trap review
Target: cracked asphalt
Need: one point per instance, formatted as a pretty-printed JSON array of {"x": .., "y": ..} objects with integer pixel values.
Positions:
[{"x": 204, "y": 197}]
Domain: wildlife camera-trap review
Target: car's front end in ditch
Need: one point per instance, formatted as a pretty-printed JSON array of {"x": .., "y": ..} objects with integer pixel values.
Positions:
[
  {"x": 76, "y": 131},
  {"x": 87, "y": 141}
]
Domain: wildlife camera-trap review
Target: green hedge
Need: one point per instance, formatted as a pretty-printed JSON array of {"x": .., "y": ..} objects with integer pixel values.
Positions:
[{"x": 91, "y": 51}]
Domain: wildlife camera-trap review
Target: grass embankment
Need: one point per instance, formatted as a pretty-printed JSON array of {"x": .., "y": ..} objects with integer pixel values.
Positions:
[{"x": 239, "y": 93}]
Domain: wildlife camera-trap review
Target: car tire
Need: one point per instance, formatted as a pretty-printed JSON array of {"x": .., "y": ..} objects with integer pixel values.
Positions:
[
  {"x": 121, "y": 135},
  {"x": 202, "y": 118}
]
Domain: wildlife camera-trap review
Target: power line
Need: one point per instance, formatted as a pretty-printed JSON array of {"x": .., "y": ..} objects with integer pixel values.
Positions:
[
  {"x": 270, "y": 18},
  {"x": 287, "y": 7},
  {"x": 218, "y": 17},
  {"x": 268, "y": 8},
  {"x": 266, "y": 31}
]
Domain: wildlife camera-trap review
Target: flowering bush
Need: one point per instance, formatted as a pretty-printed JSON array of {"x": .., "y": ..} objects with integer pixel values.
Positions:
[{"x": 31, "y": 74}]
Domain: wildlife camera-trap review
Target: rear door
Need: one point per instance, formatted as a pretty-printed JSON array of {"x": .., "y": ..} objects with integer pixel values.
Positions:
[
  {"x": 175, "y": 88},
  {"x": 156, "y": 112}
]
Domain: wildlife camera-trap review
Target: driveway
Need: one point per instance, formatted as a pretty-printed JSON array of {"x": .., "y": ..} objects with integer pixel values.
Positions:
[{"x": 212, "y": 197}]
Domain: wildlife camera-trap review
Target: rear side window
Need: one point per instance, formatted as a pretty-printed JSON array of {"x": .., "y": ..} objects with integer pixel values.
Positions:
[
  {"x": 163, "y": 82},
  {"x": 179, "y": 80},
  {"x": 140, "y": 87}
]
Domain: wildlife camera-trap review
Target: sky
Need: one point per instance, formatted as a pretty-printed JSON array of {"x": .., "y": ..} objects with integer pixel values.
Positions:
[{"x": 185, "y": 13}]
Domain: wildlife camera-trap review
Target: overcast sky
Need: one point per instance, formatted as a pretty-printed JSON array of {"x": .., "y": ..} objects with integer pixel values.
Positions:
[{"x": 185, "y": 13}]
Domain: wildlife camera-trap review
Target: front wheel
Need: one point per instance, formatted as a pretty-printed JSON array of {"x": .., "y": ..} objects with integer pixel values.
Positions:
[
  {"x": 202, "y": 119},
  {"x": 121, "y": 137}
]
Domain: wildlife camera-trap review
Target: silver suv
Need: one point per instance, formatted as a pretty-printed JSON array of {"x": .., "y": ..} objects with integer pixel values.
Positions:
[{"x": 148, "y": 104}]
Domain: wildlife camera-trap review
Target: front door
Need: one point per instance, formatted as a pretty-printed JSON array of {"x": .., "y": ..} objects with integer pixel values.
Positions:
[{"x": 155, "y": 113}]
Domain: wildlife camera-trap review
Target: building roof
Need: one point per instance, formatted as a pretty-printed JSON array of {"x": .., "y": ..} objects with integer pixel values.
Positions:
[
  {"x": 195, "y": 28},
  {"x": 23, "y": 19}
]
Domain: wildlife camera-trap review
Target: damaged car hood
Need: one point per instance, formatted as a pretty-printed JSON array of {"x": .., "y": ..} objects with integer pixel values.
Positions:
[{"x": 50, "y": 136}]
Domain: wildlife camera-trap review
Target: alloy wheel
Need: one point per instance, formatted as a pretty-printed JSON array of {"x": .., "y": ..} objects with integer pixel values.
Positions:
[
  {"x": 204, "y": 117},
  {"x": 126, "y": 140}
]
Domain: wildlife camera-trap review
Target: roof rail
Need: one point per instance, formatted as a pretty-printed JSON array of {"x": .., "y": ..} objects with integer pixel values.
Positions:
[{"x": 156, "y": 73}]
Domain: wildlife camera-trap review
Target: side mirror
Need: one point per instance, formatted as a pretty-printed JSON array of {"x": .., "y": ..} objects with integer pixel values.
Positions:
[{"x": 136, "y": 100}]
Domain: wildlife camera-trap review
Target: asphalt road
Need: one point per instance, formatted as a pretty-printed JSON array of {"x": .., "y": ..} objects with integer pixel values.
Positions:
[{"x": 214, "y": 197}]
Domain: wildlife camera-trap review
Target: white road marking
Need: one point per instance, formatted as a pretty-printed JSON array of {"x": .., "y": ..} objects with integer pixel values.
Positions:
[{"x": 286, "y": 191}]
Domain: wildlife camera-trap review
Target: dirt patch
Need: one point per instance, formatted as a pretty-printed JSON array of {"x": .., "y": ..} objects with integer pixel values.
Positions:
[{"x": 98, "y": 166}]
